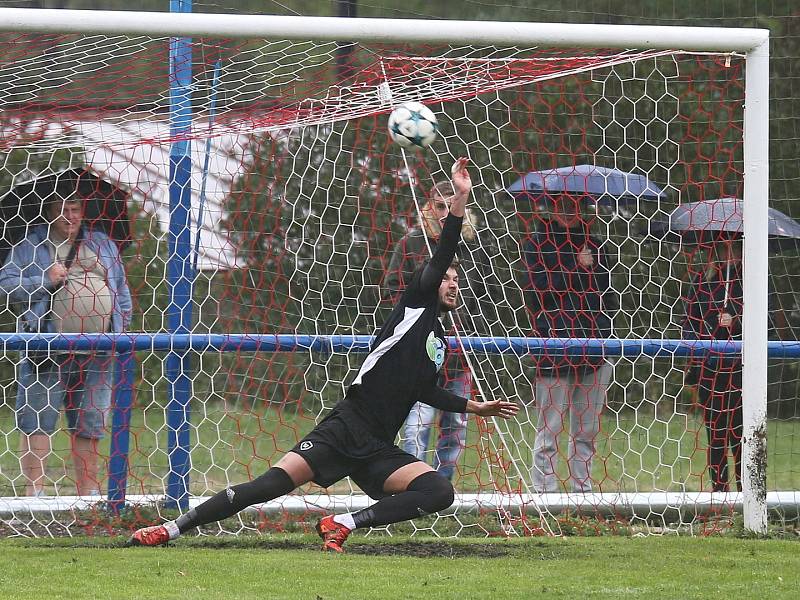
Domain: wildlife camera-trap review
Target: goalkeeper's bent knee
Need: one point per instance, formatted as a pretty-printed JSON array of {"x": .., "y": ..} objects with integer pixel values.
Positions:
[{"x": 436, "y": 489}]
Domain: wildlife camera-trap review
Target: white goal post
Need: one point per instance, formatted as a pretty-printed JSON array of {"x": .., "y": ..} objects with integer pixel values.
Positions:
[{"x": 751, "y": 44}]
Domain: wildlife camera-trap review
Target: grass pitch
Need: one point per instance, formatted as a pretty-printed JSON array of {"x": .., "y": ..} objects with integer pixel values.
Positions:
[{"x": 291, "y": 566}]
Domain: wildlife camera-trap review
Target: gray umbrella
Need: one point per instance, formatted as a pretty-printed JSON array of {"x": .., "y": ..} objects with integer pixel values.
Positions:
[
  {"x": 607, "y": 187},
  {"x": 707, "y": 220}
]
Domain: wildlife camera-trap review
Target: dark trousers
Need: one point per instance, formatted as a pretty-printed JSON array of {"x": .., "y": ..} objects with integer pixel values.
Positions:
[{"x": 720, "y": 392}]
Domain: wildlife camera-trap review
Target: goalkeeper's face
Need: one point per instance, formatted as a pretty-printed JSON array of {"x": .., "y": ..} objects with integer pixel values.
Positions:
[{"x": 448, "y": 290}]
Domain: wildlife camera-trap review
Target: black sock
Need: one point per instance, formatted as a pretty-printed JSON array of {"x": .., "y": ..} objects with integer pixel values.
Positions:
[
  {"x": 275, "y": 482},
  {"x": 428, "y": 493}
]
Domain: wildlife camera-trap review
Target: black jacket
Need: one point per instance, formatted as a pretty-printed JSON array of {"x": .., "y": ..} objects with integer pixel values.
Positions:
[
  {"x": 712, "y": 294},
  {"x": 565, "y": 299}
]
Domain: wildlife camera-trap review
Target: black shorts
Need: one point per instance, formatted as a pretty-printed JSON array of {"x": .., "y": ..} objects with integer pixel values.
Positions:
[{"x": 326, "y": 451}]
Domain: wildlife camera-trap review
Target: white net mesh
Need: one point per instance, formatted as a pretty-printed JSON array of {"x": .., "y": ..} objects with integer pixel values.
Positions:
[{"x": 303, "y": 218}]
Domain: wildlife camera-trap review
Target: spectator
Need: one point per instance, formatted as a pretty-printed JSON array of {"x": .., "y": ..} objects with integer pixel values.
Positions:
[
  {"x": 691, "y": 373},
  {"x": 456, "y": 377},
  {"x": 569, "y": 295},
  {"x": 66, "y": 278},
  {"x": 714, "y": 312}
]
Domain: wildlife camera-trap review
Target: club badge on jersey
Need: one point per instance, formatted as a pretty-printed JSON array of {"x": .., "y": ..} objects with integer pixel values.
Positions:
[{"x": 435, "y": 348}]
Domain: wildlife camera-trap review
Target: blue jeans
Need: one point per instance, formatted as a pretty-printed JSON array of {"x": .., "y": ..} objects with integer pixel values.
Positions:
[
  {"x": 452, "y": 429},
  {"x": 80, "y": 383}
]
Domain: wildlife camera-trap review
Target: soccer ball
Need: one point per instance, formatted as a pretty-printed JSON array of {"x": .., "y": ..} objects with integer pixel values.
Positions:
[{"x": 413, "y": 124}]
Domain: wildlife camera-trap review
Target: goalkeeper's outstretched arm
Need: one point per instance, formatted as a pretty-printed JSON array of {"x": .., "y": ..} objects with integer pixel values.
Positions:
[
  {"x": 447, "y": 401},
  {"x": 451, "y": 232}
]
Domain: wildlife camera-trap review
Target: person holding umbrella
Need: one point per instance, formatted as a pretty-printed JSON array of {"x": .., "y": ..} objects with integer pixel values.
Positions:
[
  {"x": 569, "y": 295},
  {"x": 64, "y": 277},
  {"x": 568, "y": 291},
  {"x": 713, "y": 311}
]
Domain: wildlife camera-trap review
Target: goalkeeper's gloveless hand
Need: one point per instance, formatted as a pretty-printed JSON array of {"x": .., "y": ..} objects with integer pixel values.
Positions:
[{"x": 493, "y": 408}]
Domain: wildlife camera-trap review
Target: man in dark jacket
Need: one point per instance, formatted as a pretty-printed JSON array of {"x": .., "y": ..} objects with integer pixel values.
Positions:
[
  {"x": 569, "y": 295},
  {"x": 714, "y": 311}
]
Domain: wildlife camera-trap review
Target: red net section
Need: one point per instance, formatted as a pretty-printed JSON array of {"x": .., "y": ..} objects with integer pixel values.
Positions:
[{"x": 307, "y": 219}]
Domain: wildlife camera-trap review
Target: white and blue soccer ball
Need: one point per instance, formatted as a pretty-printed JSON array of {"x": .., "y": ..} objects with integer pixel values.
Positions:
[{"x": 413, "y": 124}]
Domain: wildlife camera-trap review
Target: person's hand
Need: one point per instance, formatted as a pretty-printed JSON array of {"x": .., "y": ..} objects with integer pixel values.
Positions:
[
  {"x": 58, "y": 274},
  {"x": 725, "y": 319},
  {"x": 493, "y": 408},
  {"x": 462, "y": 184},
  {"x": 585, "y": 258}
]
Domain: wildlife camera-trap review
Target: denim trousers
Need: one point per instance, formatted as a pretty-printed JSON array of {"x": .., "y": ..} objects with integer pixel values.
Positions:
[
  {"x": 452, "y": 429},
  {"x": 79, "y": 384}
]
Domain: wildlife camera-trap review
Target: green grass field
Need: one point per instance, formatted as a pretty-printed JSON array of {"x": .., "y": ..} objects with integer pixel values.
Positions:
[
  {"x": 637, "y": 451},
  {"x": 288, "y": 567}
]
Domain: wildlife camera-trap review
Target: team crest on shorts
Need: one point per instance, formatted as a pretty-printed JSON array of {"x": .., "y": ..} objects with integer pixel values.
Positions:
[
  {"x": 306, "y": 445},
  {"x": 435, "y": 348}
]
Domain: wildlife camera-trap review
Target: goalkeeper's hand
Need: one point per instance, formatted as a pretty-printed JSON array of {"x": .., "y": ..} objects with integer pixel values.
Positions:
[
  {"x": 493, "y": 408},
  {"x": 462, "y": 184}
]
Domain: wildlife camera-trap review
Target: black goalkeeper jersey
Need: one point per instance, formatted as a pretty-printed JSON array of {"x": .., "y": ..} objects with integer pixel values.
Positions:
[{"x": 405, "y": 359}]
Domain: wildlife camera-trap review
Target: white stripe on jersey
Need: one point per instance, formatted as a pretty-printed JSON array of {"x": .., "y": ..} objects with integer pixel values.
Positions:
[{"x": 410, "y": 317}]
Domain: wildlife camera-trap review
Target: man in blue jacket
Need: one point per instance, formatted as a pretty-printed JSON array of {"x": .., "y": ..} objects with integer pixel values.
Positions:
[
  {"x": 569, "y": 295},
  {"x": 65, "y": 278}
]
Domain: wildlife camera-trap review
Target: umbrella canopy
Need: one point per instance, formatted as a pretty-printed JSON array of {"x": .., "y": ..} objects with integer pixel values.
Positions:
[
  {"x": 603, "y": 185},
  {"x": 705, "y": 221},
  {"x": 105, "y": 206}
]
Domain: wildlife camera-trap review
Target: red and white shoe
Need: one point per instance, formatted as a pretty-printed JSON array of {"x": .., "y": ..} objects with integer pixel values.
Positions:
[
  {"x": 332, "y": 533},
  {"x": 149, "y": 536}
]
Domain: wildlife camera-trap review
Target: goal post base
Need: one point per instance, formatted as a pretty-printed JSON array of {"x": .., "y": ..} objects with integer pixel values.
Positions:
[{"x": 640, "y": 505}]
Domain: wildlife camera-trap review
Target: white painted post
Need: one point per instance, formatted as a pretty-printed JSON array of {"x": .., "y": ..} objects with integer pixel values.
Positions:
[{"x": 756, "y": 282}]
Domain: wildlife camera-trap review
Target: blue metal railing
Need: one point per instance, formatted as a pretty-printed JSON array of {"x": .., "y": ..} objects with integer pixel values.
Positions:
[
  {"x": 244, "y": 342},
  {"x": 124, "y": 344}
]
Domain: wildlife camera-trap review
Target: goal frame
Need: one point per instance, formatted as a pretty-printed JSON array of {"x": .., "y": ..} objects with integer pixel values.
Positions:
[{"x": 752, "y": 43}]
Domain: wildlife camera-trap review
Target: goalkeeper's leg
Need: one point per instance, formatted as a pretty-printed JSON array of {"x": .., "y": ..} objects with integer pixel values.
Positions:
[
  {"x": 416, "y": 490},
  {"x": 290, "y": 472}
]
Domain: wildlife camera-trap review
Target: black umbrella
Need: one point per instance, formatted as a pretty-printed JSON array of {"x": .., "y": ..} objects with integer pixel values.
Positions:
[
  {"x": 711, "y": 220},
  {"x": 105, "y": 206}
]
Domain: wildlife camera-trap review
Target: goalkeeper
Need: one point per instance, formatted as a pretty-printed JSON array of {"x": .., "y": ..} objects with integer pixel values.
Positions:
[{"x": 357, "y": 438}]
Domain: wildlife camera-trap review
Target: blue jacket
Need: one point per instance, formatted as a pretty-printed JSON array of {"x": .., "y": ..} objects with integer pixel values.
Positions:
[{"x": 23, "y": 278}]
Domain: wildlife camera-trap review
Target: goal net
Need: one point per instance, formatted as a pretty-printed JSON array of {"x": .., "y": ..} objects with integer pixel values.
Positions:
[{"x": 264, "y": 218}]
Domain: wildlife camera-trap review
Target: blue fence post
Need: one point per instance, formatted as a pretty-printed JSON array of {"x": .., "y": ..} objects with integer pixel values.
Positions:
[
  {"x": 179, "y": 267},
  {"x": 120, "y": 431}
]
